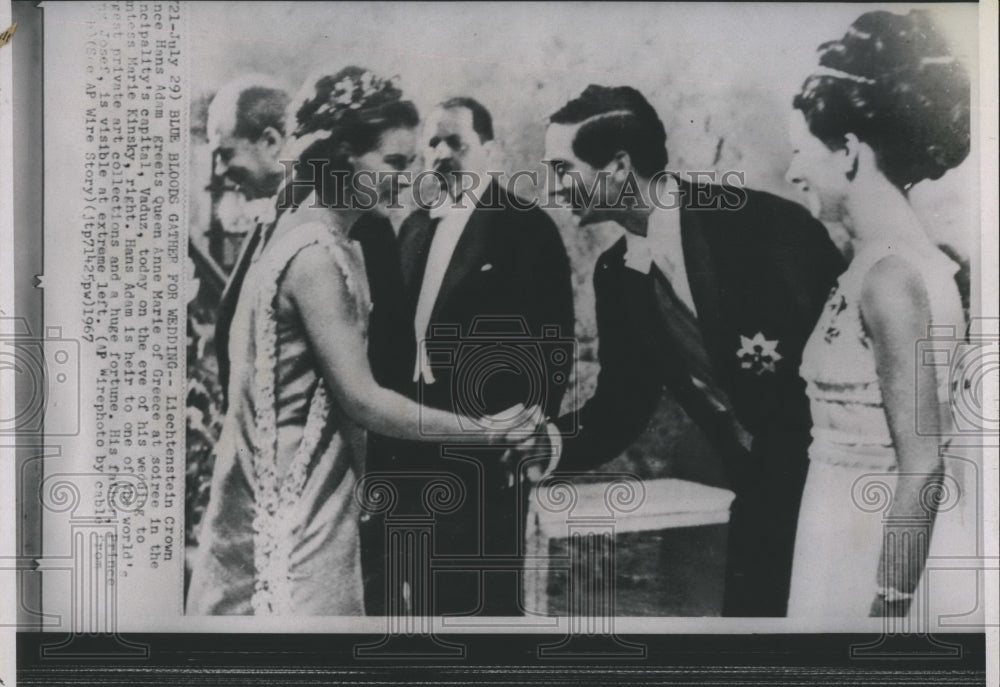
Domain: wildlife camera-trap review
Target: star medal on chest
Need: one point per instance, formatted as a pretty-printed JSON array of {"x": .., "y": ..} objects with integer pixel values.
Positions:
[{"x": 758, "y": 354}]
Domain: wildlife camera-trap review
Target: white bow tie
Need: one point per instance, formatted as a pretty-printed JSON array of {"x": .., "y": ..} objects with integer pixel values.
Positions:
[
  {"x": 639, "y": 255},
  {"x": 660, "y": 245}
]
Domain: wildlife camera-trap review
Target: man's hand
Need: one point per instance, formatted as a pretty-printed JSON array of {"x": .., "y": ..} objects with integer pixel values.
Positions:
[
  {"x": 529, "y": 460},
  {"x": 513, "y": 425}
]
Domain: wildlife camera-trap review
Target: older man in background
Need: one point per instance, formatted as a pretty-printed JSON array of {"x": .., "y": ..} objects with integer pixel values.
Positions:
[
  {"x": 246, "y": 131},
  {"x": 484, "y": 278}
]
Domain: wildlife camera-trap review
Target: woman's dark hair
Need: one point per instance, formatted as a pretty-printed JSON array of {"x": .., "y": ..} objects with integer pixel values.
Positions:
[
  {"x": 893, "y": 83},
  {"x": 616, "y": 119},
  {"x": 352, "y": 108}
]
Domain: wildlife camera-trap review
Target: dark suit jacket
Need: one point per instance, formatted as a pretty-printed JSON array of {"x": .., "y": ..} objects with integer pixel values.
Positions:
[
  {"x": 234, "y": 286},
  {"x": 509, "y": 278},
  {"x": 227, "y": 305},
  {"x": 764, "y": 268},
  {"x": 508, "y": 282},
  {"x": 390, "y": 330}
]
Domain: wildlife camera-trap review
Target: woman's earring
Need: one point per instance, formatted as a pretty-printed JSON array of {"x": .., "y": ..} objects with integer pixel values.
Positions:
[{"x": 853, "y": 171}]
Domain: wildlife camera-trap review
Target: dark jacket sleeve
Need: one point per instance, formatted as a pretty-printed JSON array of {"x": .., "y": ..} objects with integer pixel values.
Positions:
[
  {"x": 548, "y": 301},
  {"x": 805, "y": 256},
  {"x": 628, "y": 388},
  {"x": 806, "y": 264}
]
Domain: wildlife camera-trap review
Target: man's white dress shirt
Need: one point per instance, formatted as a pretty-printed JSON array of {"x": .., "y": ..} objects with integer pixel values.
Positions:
[
  {"x": 453, "y": 216},
  {"x": 661, "y": 246}
]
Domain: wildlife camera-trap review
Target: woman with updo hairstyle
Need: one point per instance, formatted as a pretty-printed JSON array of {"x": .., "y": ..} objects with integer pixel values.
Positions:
[
  {"x": 887, "y": 108},
  {"x": 280, "y": 535},
  {"x": 337, "y": 132}
]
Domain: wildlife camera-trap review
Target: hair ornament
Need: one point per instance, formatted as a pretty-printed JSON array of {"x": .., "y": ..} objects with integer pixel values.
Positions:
[
  {"x": 335, "y": 101},
  {"x": 837, "y": 74},
  {"x": 942, "y": 59}
]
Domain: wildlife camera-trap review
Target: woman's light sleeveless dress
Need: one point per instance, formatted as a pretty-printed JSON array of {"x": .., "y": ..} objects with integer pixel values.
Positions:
[
  {"x": 280, "y": 534},
  {"x": 853, "y": 464}
]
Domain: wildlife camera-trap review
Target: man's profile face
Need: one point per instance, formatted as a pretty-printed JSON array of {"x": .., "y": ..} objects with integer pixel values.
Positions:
[
  {"x": 454, "y": 146},
  {"x": 576, "y": 184},
  {"x": 251, "y": 167}
]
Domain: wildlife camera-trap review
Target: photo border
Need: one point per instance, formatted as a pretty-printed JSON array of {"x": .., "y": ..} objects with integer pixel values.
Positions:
[{"x": 199, "y": 658}]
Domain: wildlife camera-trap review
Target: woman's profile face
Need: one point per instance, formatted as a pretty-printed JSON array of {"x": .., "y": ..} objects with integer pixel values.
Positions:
[
  {"x": 386, "y": 170},
  {"x": 816, "y": 171}
]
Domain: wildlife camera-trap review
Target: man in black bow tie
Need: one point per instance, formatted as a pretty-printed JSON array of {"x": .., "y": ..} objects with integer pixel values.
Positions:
[{"x": 711, "y": 293}]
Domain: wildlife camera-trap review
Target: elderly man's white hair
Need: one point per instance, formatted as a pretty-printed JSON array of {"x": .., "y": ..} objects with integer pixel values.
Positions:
[{"x": 267, "y": 109}]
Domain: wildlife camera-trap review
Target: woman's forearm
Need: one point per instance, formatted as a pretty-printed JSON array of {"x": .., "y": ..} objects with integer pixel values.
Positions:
[
  {"x": 391, "y": 414},
  {"x": 896, "y": 312},
  {"x": 907, "y": 530}
]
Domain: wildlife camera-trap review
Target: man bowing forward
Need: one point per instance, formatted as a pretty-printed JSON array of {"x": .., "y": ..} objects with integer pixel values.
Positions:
[{"x": 711, "y": 293}]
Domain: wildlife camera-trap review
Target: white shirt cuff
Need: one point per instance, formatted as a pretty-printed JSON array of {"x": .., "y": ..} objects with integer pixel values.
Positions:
[{"x": 422, "y": 366}]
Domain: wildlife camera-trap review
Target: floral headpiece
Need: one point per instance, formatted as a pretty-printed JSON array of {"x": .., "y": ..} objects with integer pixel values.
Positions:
[{"x": 334, "y": 101}]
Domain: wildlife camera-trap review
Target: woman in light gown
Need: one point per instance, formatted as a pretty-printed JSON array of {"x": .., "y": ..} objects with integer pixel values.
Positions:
[
  {"x": 280, "y": 535},
  {"x": 887, "y": 108}
]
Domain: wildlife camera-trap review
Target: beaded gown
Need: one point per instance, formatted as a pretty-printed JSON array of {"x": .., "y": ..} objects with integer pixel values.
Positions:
[{"x": 280, "y": 534}]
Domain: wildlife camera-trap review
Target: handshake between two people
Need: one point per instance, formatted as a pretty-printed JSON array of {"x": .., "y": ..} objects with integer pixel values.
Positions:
[{"x": 525, "y": 433}]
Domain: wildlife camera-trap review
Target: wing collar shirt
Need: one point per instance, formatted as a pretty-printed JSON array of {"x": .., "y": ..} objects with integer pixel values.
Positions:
[
  {"x": 452, "y": 218},
  {"x": 662, "y": 246}
]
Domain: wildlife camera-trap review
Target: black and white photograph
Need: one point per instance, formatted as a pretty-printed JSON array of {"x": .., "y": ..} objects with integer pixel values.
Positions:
[
  {"x": 677, "y": 256},
  {"x": 601, "y": 327}
]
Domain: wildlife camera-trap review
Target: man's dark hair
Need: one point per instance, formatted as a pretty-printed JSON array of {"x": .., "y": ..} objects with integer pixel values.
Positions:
[
  {"x": 258, "y": 108},
  {"x": 616, "y": 119},
  {"x": 482, "y": 121}
]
